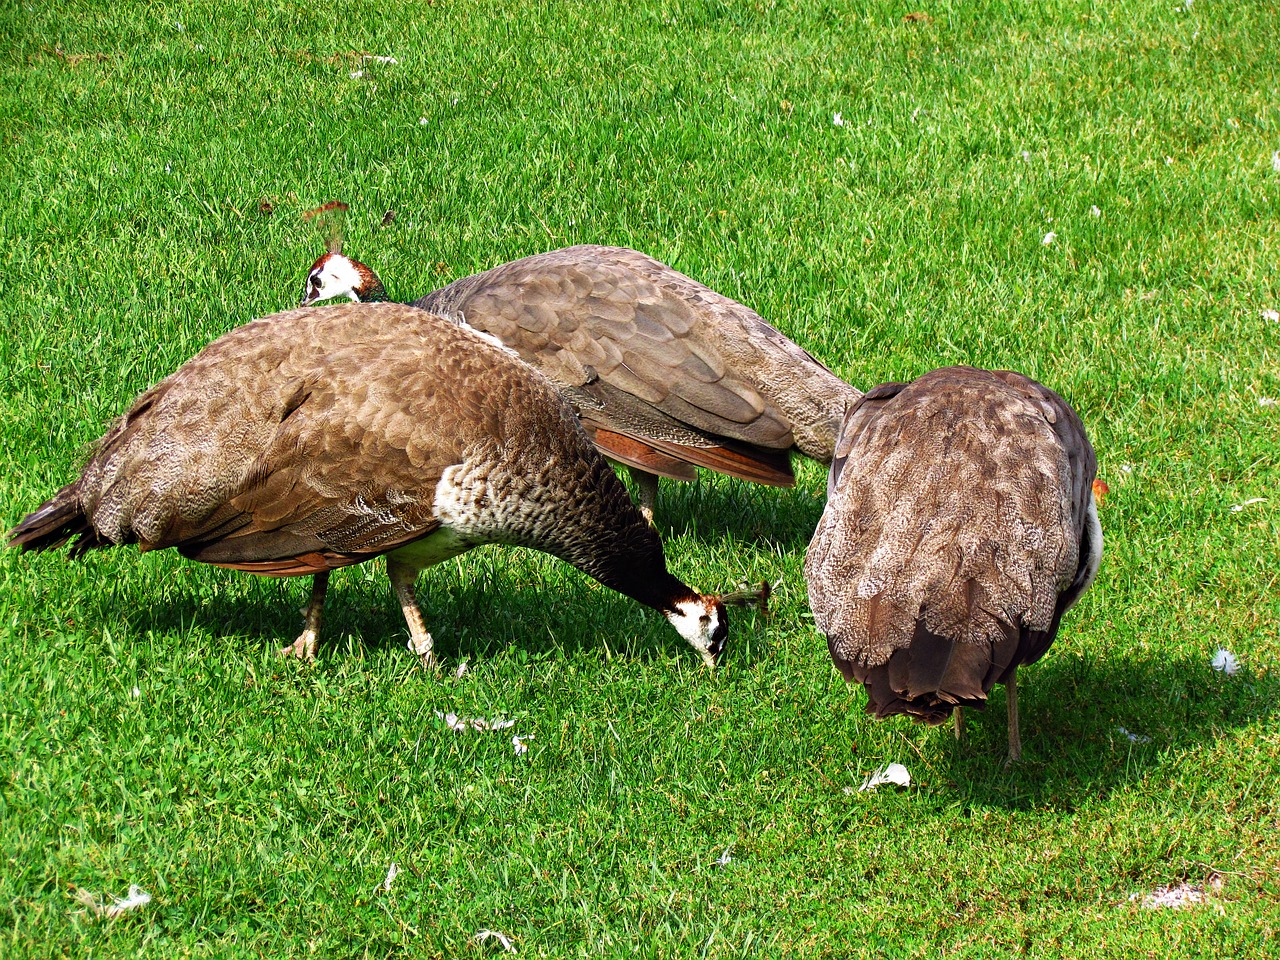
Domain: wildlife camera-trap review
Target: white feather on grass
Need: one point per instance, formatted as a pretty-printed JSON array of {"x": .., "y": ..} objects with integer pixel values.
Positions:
[
  {"x": 1133, "y": 737},
  {"x": 392, "y": 872},
  {"x": 502, "y": 939},
  {"x": 458, "y": 724},
  {"x": 1225, "y": 661},
  {"x": 1180, "y": 896},
  {"x": 1237, "y": 507},
  {"x": 894, "y": 773},
  {"x": 136, "y": 899}
]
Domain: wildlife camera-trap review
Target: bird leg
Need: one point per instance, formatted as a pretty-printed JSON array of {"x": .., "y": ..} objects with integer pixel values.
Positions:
[
  {"x": 1011, "y": 698},
  {"x": 402, "y": 577},
  {"x": 648, "y": 484},
  {"x": 957, "y": 723},
  {"x": 304, "y": 648}
]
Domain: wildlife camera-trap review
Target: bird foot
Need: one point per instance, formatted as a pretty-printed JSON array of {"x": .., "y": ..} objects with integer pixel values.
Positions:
[
  {"x": 304, "y": 648},
  {"x": 424, "y": 647}
]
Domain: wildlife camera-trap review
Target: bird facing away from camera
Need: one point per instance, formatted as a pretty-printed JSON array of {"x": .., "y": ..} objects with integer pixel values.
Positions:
[
  {"x": 666, "y": 374},
  {"x": 960, "y": 525},
  {"x": 318, "y": 438}
]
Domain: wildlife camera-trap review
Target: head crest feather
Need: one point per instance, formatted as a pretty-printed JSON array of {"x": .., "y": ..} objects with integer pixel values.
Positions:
[{"x": 331, "y": 218}]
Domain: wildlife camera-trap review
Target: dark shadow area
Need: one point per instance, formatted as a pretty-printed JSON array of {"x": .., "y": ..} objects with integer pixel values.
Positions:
[
  {"x": 1090, "y": 727},
  {"x": 715, "y": 507},
  {"x": 473, "y": 610}
]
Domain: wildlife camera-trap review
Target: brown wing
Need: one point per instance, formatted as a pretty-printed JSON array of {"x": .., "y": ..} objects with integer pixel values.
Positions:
[
  {"x": 955, "y": 532},
  {"x": 291, "y": 445},
  {"x": 650, "y": 355}
]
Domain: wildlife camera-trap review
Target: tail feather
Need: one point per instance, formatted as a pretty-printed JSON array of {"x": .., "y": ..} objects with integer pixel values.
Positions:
[
  {"x": 934, "y": 674},
  {"x": 55, "y": 522}
]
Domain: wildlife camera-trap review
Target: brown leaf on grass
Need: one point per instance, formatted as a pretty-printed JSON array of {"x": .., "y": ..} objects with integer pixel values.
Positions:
[
  {"x": 75, "y": 59},
  {"x": 1100, "y": 490},
  {"x": 388, "y": 217},
  {"x": 917, "y": 17},
  {"x": 266, "y": 207}
]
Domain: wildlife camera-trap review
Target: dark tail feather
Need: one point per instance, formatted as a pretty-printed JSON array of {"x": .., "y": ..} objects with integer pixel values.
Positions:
[
  {"x": 934, "y": 674},
  {"x": 56, "y": 522}
]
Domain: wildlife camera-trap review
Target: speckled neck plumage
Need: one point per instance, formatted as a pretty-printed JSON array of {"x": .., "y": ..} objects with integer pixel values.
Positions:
[
  {"x": 521, "y": 493},
  {"x": 371, "y": 290}
]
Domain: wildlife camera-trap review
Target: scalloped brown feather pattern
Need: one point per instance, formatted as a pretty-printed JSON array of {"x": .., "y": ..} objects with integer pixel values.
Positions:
[
  {"x": 319, "y": 438},
  {"x": 646, "y": 352},
  {"x": 953, "y": 539}
]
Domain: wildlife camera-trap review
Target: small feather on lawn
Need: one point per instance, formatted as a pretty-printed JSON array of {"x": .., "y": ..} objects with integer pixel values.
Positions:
[
  {"x": 502, "y": 939},
  {"x": 458, "y": 724},
  {"x": 1179, "y": 896},
  {"x": 392, "y": 872},
  {"x": 894, "y": 773},
  {"x": 136, "y": 899},
  {"x": 1237, "y": 507},
  {"x": 1133, "y": 737},
  {"x": 1225, "y": 661}
]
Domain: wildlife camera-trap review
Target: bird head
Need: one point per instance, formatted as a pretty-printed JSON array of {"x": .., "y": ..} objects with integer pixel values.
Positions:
[
  {"x": 704, "y": 623},
  {"x": 335, "y": 275}
]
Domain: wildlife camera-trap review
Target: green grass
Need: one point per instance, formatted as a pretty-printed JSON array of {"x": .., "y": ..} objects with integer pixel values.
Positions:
[{"x": 261, "y": 802}]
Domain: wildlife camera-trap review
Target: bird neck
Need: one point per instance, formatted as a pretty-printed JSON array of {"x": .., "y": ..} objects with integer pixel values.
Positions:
[
  {"x": 611, "y": 542},
  {"x": 639, "y": 572},
  {"x": 370, "y": 289},
  {"x": 374, "y": 293}
]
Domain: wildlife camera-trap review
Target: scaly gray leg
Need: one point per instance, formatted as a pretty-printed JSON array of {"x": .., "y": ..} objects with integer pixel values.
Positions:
[
  {"x": 1011, "y": 697},
  {"x": 648, "y": 484},
  {"x": 403, "y": 576},
  {"x": 957, "y": 723},
  {"x": 304, "y": 648}
]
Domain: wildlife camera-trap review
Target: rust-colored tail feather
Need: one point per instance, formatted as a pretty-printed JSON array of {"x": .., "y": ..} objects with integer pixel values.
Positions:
[{"x": 676, "y": 460}]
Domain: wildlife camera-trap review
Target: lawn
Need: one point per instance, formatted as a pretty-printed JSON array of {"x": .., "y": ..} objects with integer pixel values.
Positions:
[{"x": 1086, "y": 192}]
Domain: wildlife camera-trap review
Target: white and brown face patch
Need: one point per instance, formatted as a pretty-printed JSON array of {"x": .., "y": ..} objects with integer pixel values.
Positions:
[
  {"x": 334, "y": 275},
  {"x": 704, "y": 623}
]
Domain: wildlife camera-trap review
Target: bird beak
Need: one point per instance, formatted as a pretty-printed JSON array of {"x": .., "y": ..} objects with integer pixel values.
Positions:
[{"x": 307, "y": 299}]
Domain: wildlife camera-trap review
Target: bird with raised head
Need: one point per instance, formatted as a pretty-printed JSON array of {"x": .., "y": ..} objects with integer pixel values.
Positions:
[
  {"x": 666, "y": 374},
  {"x": 319, "y": 438},
  {"x": 960, "y": 526}
]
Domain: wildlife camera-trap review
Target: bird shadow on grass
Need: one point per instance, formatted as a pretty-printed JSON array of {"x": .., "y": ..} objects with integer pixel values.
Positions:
[
  {"x": 1090, "y": 727},
  {"x": 714, "y": 508},
  {"x": 474, "y": 610}
]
